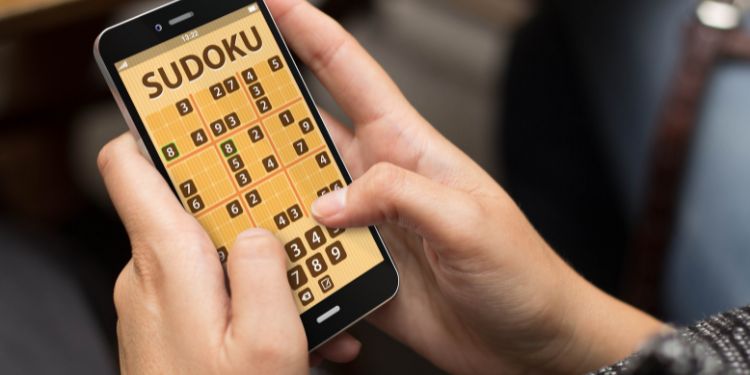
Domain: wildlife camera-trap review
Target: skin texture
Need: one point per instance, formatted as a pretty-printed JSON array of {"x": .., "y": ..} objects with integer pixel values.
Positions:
[{"x": 481, "y": 291}]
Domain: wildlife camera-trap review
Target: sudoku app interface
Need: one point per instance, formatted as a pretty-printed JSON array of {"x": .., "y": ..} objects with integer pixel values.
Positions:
[{"x": 242, "y": 148}]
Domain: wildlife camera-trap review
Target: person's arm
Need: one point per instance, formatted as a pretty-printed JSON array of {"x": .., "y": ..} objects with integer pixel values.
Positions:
[{"x": 481, "y": 291}]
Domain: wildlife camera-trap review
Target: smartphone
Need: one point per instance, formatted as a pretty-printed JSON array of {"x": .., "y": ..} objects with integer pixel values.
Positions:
[{"x": 212, "y": 93}]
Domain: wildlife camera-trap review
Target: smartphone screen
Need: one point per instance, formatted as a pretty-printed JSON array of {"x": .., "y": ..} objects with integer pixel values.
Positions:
[{"x": 243, "y": 147}]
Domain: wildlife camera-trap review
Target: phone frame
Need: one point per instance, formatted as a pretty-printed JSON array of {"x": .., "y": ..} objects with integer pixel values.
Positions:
[{"x": 121, "y": 41}]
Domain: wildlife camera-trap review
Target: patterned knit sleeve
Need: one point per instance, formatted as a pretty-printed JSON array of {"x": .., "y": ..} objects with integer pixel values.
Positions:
[{"x": 718, "y": 345}]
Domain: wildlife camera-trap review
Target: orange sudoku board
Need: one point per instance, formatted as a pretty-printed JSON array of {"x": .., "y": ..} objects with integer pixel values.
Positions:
[{"x": 243, "y": 150}]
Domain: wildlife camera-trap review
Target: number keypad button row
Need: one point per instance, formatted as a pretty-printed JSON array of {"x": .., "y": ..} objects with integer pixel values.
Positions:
[{"x": 317, "y": 264}]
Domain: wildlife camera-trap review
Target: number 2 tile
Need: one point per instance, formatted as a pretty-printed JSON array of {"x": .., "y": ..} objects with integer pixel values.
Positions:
[{"x": 253, "y": 198}]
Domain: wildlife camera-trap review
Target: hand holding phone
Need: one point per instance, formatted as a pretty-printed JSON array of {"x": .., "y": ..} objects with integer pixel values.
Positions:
[
  {"x": 216, "y": 99},
  {"x": 175, "y": 314},
  {"x": 481, "y": 291}
]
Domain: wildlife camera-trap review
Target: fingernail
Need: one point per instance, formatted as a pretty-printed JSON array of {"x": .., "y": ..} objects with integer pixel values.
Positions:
[
  {"x": 330, "y": 204},
  {"x": 254, "y": 233}
]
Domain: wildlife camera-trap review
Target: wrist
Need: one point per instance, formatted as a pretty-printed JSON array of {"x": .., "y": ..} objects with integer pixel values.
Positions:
[{"x": 597, "y": 329}]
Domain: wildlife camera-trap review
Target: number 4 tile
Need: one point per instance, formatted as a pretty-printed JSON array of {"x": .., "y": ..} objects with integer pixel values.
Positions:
[
  {"x": 281, "y": 220},
  {"x": 315, "y": 238},
  {"x": 323, "y": 159},
  {"x": 199, "y": 137},
  {"x": 270, "y": 164}
]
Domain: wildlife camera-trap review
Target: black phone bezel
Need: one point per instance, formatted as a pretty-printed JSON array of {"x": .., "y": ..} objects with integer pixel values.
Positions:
[{"x": 355, "y": 300}]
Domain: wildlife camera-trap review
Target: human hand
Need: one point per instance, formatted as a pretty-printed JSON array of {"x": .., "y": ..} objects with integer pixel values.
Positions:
[
  {"x": 175, "y": 313},
  {"x": 481, "y": 292}
]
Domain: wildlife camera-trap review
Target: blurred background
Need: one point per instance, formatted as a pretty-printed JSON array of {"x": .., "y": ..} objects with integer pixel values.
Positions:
[{"x": 620, "y": 131}]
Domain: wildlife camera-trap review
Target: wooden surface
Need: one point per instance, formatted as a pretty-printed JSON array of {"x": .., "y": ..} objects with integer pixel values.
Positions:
[
  {"x": 22, "y": 17},
  {"x": 12, "y": 8}
]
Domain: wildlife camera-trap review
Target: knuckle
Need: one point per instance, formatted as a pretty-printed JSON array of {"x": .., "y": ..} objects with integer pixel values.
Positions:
[
  {"x": 323, "y": 59},
  {"x": 146, "y": 266},
  {"x": 386, "y": 177},
  {"x": 386, "y": 182},
  {"x": 273, "y": 353},
  {"x": 154, "y": 255},
  {"x": 471, "y": 214},
  {"x": 134, "y": 300}
]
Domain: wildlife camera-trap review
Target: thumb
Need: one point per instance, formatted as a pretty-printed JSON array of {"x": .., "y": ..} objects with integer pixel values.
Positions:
[
  {"x": 263, "y": 310},
  {"x": 387, "y": 193}
]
